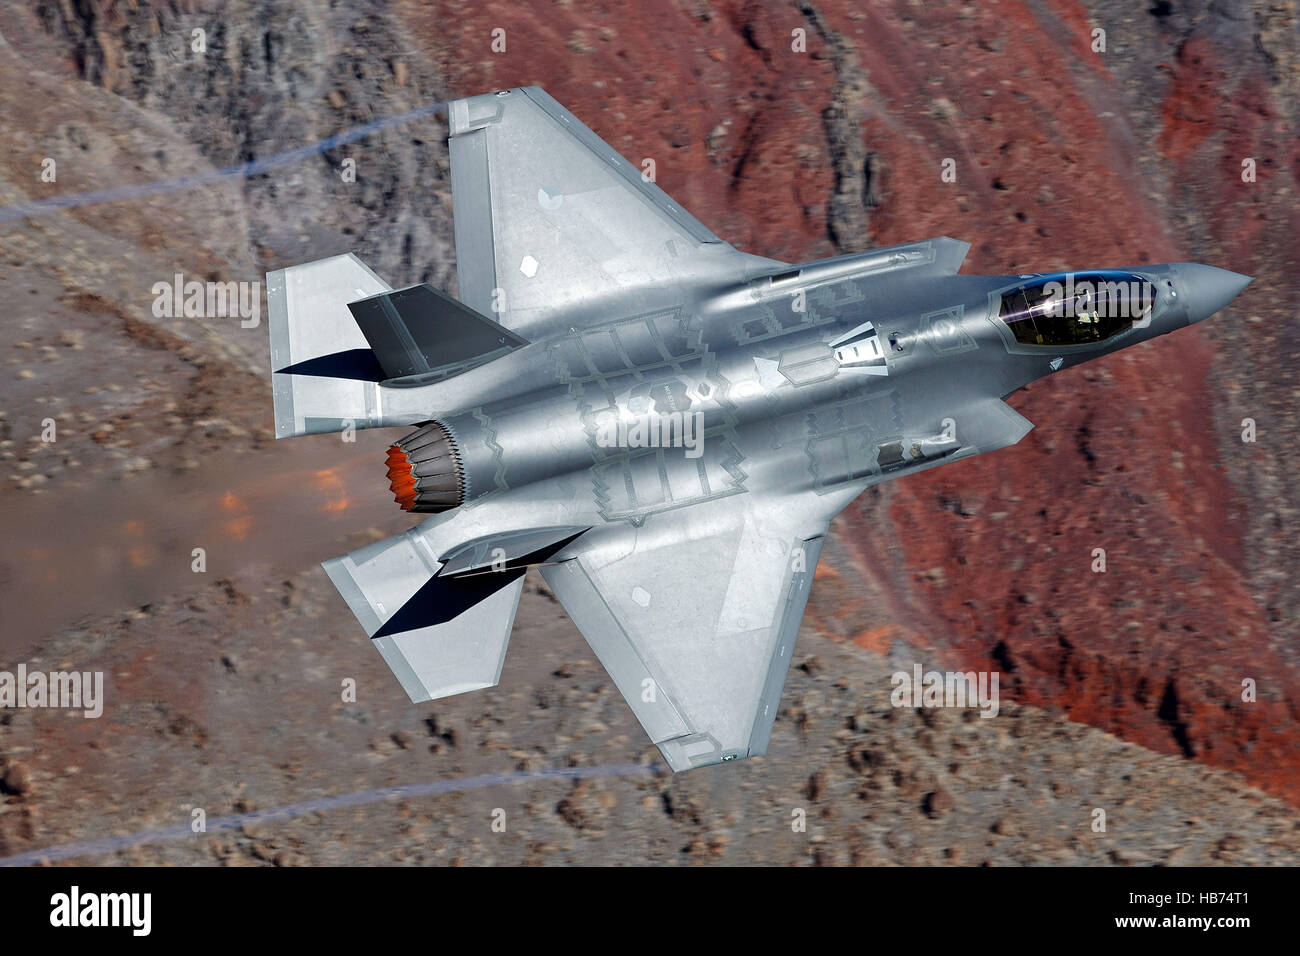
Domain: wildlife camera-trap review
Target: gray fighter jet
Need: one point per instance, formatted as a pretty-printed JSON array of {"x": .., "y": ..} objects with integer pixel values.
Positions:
[{"x": 663, "y": 424}]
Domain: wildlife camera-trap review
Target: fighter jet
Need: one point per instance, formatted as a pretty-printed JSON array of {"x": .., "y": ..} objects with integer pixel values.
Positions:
[{"x": 661, "y": 423}]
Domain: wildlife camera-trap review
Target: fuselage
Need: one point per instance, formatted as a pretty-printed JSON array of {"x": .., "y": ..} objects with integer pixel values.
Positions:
[{"x": 835, "y": 374}]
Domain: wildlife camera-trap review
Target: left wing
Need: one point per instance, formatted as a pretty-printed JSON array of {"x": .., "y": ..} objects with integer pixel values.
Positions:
[
  {"x": 695, "y": 615},
  {"x": 552, "y": 224}
]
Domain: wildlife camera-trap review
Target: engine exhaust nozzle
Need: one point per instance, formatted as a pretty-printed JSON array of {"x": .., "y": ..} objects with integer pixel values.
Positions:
[{"x": 425, "y": 471}]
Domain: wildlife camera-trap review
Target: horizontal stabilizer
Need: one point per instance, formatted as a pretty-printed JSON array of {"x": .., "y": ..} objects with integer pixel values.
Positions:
[
  {"x": 439, "y": 636},
  {"x": 442, "y": 626},
  {"x": 464, "y": 654},
  {"x": 322, "y": 372},
  {"x": 420, "y": 331}
]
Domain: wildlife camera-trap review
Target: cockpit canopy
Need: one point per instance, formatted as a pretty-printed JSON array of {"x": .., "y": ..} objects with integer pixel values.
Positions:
[{"x": 1075, "y": 308}]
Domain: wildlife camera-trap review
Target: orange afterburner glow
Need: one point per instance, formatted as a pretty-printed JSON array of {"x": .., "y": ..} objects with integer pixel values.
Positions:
[{"x": 400, "y": 478}]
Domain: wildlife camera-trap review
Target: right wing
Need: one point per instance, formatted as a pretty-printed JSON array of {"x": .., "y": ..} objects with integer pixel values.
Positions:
[{"x": 695, "y": 616}]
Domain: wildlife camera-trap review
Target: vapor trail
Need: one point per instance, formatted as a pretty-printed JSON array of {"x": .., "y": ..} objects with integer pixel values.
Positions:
[
  {"x": 40, "y": 207},
  {"x": 320, "y": 805}
]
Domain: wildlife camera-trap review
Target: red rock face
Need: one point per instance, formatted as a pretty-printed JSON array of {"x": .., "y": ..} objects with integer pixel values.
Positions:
[
  {"x": 1058, "y": 152},
  {"x": 732, "y": 122}
]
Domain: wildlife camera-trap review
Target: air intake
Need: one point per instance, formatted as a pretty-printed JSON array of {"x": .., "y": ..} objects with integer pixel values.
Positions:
[{"x": 425, "y": 471}]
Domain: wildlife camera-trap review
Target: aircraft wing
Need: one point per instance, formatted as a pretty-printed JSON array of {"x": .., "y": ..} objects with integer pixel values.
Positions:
[
  {"x": 695, "y": 614},
  {"x": 550, "y": 220}
]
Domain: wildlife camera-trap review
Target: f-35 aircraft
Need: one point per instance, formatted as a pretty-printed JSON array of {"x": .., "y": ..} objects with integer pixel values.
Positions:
[{"x": 663, "y": 424}]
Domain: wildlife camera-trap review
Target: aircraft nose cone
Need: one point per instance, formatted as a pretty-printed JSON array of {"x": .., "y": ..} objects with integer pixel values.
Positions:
[{"x": 1206, "y": 289}]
